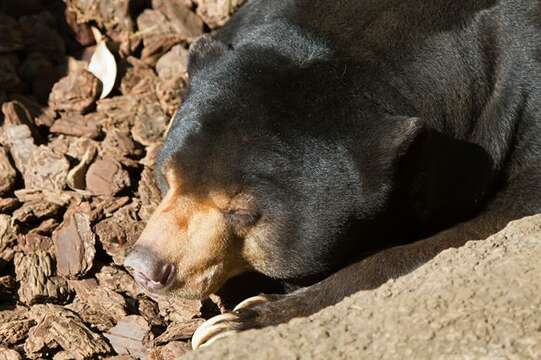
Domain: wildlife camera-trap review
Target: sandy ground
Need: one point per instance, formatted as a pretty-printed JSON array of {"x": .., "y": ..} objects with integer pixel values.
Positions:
[{"x": 482, "y": 301}]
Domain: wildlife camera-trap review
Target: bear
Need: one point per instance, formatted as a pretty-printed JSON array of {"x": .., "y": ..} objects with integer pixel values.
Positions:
[{"x": 335, "y": 145}]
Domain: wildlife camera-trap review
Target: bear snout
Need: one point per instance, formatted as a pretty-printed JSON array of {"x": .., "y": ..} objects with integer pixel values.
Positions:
[{"x": 149, "y": 271}]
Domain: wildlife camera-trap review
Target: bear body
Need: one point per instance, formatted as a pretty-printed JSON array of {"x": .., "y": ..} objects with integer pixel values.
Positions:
[{"x": 317, "y": 133}]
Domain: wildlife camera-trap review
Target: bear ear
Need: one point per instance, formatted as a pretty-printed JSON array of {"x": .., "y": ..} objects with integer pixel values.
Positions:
[
  {"x": 400, "y": 133},
  {"x": 204, "y": 50}
]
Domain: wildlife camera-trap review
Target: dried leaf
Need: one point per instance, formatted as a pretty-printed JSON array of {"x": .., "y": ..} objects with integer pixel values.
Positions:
[{"x": 103, "y": 65}]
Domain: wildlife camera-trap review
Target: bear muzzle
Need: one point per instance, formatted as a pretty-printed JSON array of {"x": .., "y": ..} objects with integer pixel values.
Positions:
[{"x": 149, "y": 271}]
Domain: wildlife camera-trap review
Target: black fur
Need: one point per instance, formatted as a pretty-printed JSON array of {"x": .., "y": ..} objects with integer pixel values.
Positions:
[{"x": 362, "y": 124}]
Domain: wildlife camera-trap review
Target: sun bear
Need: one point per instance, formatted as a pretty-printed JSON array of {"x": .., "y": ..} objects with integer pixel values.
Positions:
[{"x": 344, "y": 141}]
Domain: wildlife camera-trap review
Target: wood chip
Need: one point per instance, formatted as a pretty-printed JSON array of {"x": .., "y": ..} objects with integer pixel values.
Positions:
[
  {"x": 120, "y": 146},
  {"x": 173, "y": 350},
  {"x": 170, "y": 93},
  {"x": 36, "y": 210},
  {"x": 37, "y": 281},
  {"x": 178, "y": 331},
  {"x": 9, "y": 175},
  {"x": 113, "y": 16},
  {"x": 215, "y": 13},
  {"x": 150, "y": 124},
  {"x": 46, "y": 170},
  {"x": 138, "y": 80},
  {"x": 158, "y": 33},
  {"x": 106, "y": 177},
  {"x": 149, "y": 309},
  {"x": 177, "y": 309},
  {"x": 118, "y": 280},
  {"x": 60, "y": 328},
  {"x": 128, "y": 336},
  {"x": 21, "y": 145},
  {"x": 148, "y": 192},
  {"x": 76, "y": 92},
  {"x": 33, "y": 242},
  {"x": 7, "y": 205},
  {"x": 173, "y": 64},
  {"x": 74, "y": 246},
  {"x": 183, "y": 21},
  {"x": 8, "y": 236},
  {"x": 14, "y": 327},
  {"x": 119, "y": 232},
  {"x": 75, "y": 124},
  {"x": 9, "y": 354},
  {"x": 98, "y": 305}
]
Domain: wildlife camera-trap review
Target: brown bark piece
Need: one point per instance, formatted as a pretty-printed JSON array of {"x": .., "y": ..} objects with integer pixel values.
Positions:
[
  {"x": 9, "y": 175},
  {"x": 150, "y": 124},
  {"x": 75, "y": 124},
  {"x": 182, "y": 19},
  {"x": 113, "y": 16},
  {"x": 173, "y": 350},
  {"x": 62, "y": 328},
  {"x": 106, "y": 207},
  {"x": 178, "y": 331},
  {"x": 128, "y": 335},
  {"x": 177, "y": 309},
  {"x": 36, "y": 210},
  {"x": 33, "y": 242},
  {"x": 120, "y": 146},
  {"x": 174, "y": 64},
  {"x": 9, "y": 354},
  {"x": 74, "y": 246},
  {"x": 8, "y": 205},
  {"x": 149, "y": 193},
  {"x": 170, "y": 94},
  {"x": 159, "y": 34},
  {"x": 8, "y": 237},
  {"x": 37, "y": 281},
  {"x": 21, "y": 145},
  {"x": 215, "y": 13},
  {"x": 76, "y": 92},
  {"x": 118, "y": 280},
  {"x": 17, "y": 114},
  {"x": 11, "y": 38},
  {"x": 98, "y": 305},
  {"x": 14, "y": 326},
  {"x": 138, "y": 80},
  {"x": 106, "y": 177},
  {"x": 81, "y": 32},
  {"x": 149, "y": 309},
  {"x": 119, "y": 232},
  {"x": 46, "y": 170}
]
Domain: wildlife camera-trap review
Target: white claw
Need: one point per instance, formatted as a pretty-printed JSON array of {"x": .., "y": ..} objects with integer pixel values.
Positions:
[
  {"x": 210, "y": 328},
  {"x": 218, "y": 337},
  {"x": 251, "y": 302}
]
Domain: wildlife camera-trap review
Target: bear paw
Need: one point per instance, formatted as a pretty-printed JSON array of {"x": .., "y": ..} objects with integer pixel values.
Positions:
[{"x": 254, "y": 312}]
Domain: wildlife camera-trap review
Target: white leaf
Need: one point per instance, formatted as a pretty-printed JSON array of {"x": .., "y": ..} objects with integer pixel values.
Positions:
[{"x": 103, "y": 65}]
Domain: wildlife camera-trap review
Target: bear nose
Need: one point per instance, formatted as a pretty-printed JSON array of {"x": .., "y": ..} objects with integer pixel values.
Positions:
[{"x": 149, "y": 270}]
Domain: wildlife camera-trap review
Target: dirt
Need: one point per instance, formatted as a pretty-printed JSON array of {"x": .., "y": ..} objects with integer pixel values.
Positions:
[
  {"x": 76, "y": 165},
  {"x": 482, "y": 301}
]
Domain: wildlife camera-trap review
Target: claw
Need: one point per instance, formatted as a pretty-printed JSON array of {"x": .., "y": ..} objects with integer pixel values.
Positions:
[
  {"x": 251, "y": 302},
  {"x": 218, "y": 337},
  {"x": 223, "y": 325},
  {"x": 213, "y": 327}
]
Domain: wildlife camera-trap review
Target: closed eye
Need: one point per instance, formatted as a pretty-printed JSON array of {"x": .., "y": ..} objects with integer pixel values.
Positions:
[{"x": 241, "y": 217}]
